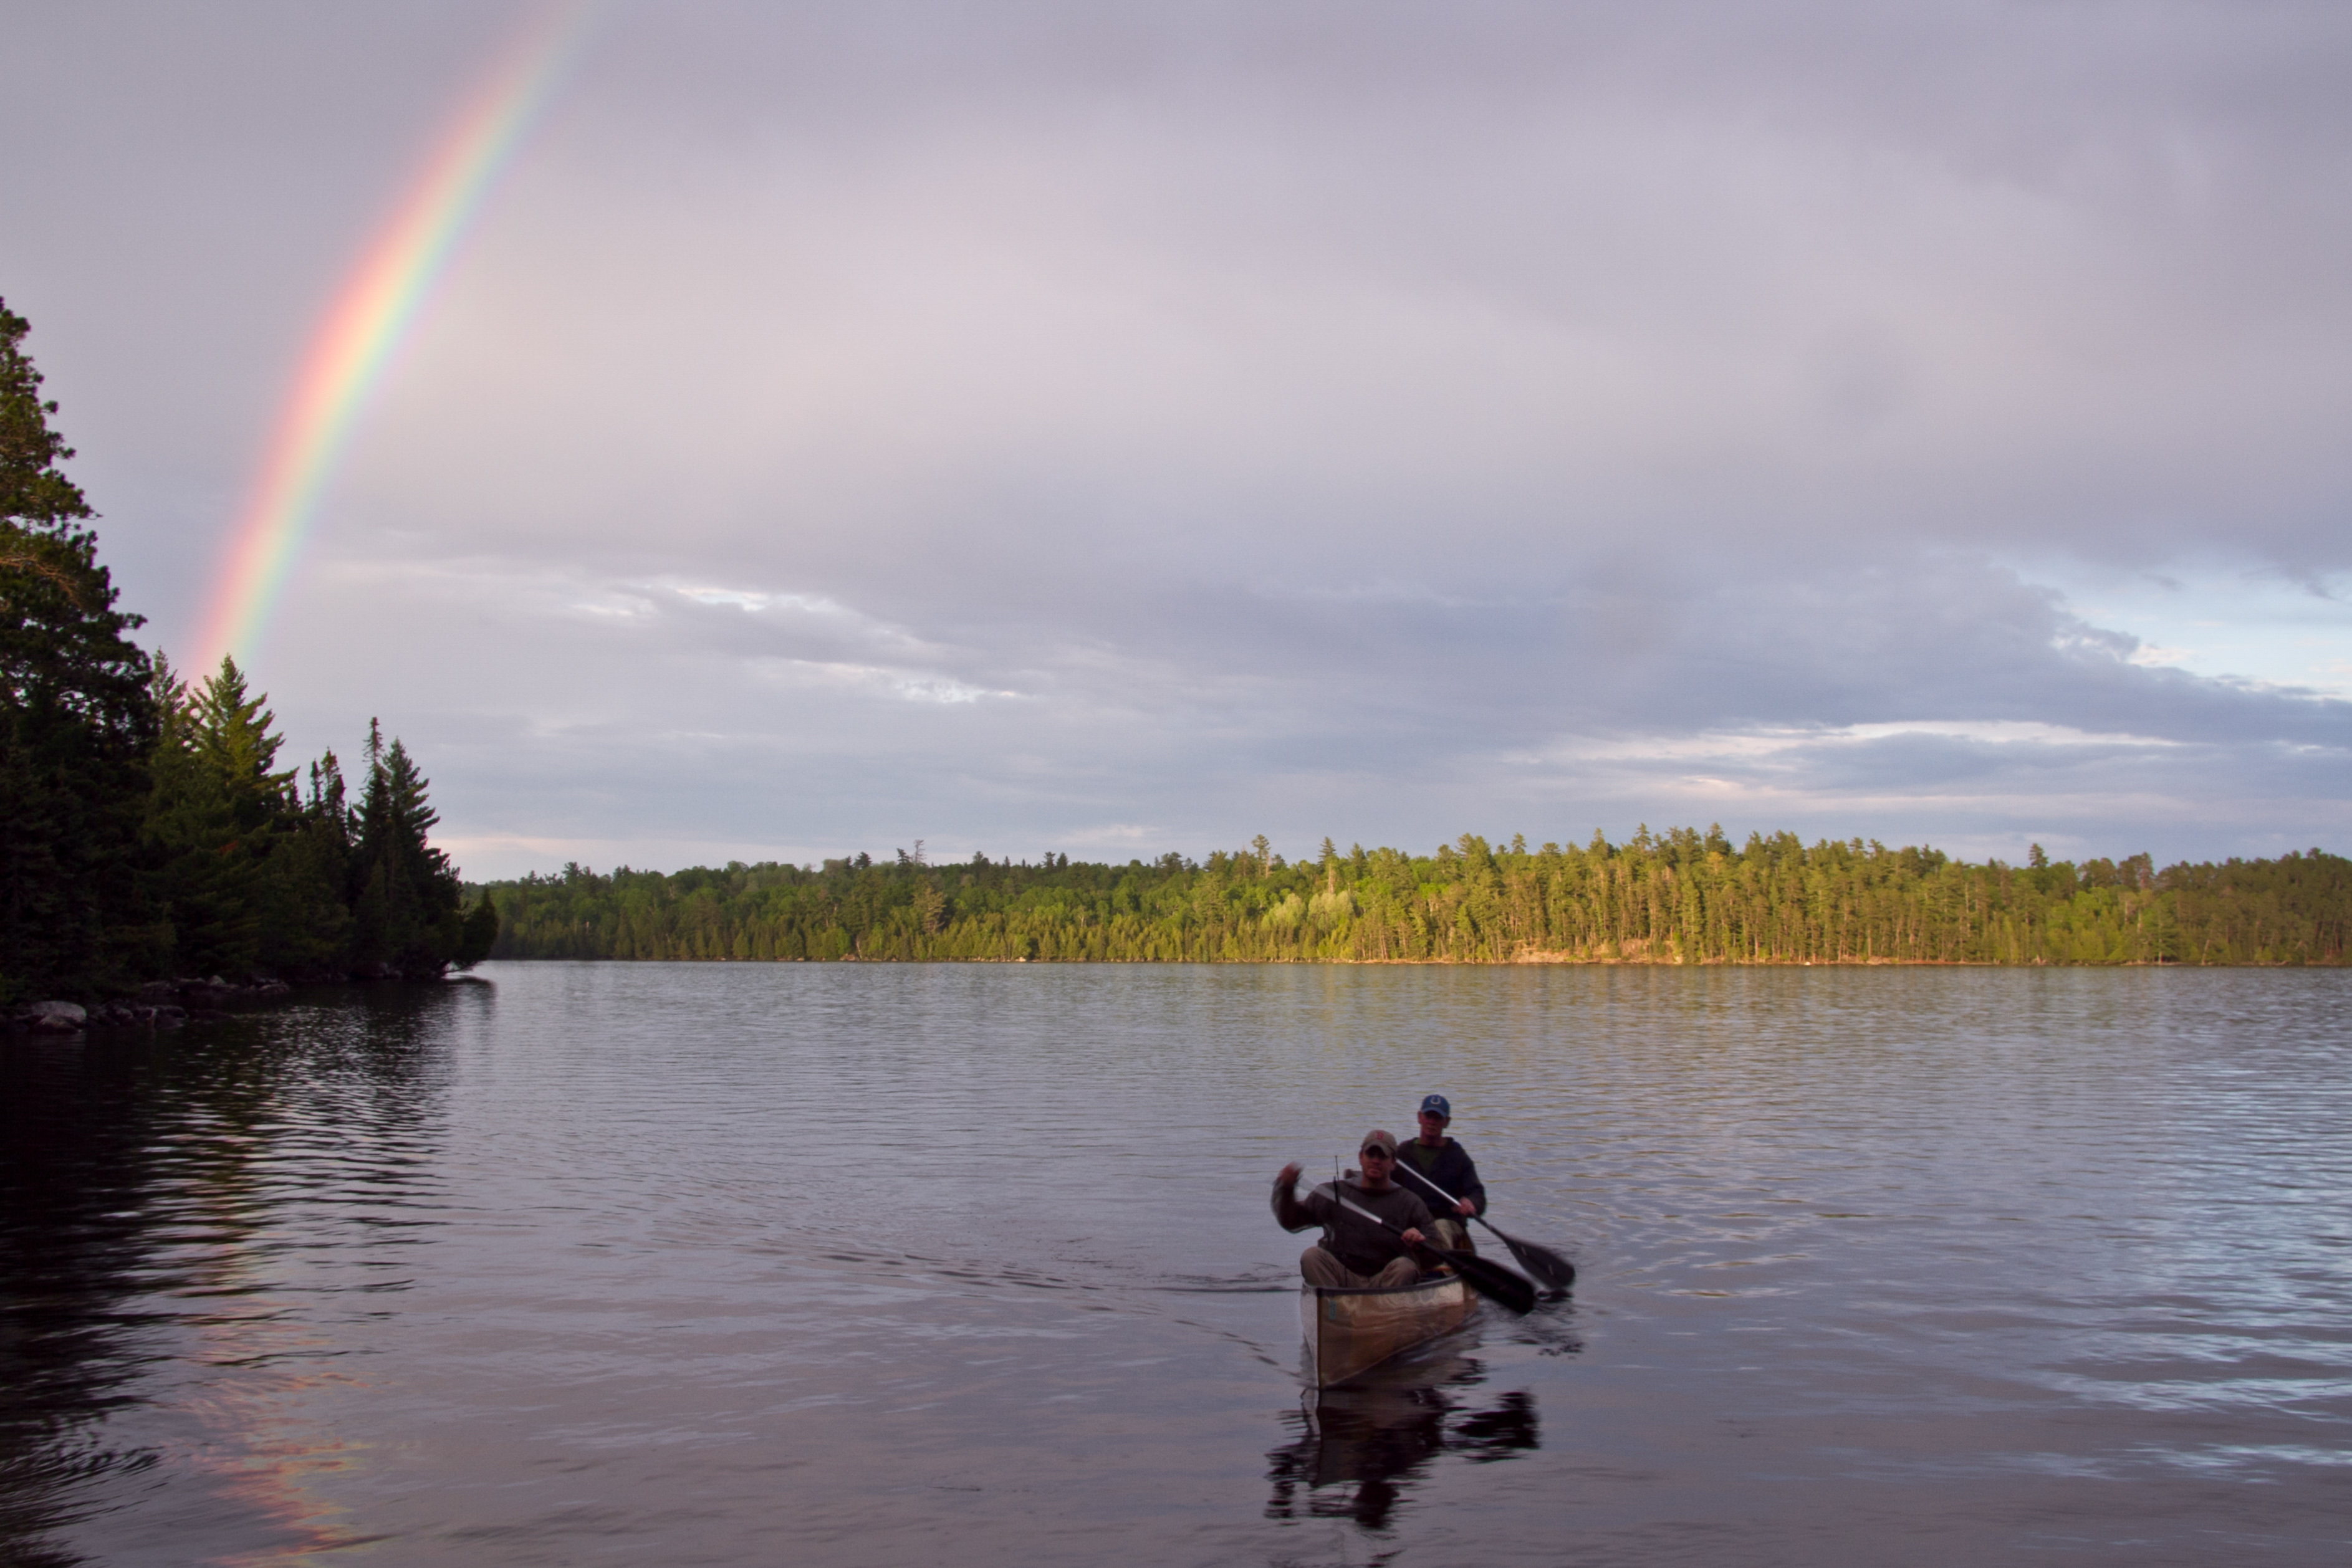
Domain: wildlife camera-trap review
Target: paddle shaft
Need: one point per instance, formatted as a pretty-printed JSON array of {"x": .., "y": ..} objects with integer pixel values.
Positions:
[
  {"x": 1496, "y": 1284},
  {"x": 1404, "y": 1169},
  {"x": 1541, "y": 1262},
  {"x": 1354, "y": 1207}
]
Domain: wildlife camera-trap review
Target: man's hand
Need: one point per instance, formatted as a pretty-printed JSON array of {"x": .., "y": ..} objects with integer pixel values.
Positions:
[
  {"x": 1413, "y": 1238},
  {"x": 1288, "y": 1177},
  {"x": 1464, "y": 1207}
]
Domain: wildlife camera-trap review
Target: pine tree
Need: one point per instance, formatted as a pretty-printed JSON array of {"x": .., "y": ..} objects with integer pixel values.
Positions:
[
  {"x": 232, "y": 734},
  {"x": 301, "y": 854},
  {"x": 76, "y": 719},
  {"x": 407, "y": 905},
  {"x": 207, "y": 828},
  {"x": 306, "y": 925},
  {"x": 480, "y": 933}
]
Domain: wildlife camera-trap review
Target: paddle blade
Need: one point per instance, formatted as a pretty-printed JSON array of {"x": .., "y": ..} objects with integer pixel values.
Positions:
[
  {"x": 1551, "y": 1271},
  {"x": 1492, "y": 1281}
]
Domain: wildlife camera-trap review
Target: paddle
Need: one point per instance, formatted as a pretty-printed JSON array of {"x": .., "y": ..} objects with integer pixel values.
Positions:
[
  {"x": 1492, "y": 1281},
  {"x": 1548, "y": 1266}
]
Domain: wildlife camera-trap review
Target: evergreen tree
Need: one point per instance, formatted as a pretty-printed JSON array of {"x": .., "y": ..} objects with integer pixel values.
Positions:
[
  {"x": 480, "y": 933},
  {"x": 300, "y": 854},
  {"x": 76, "y": 719},
  {"x": 306, "y": 926},
  {"x": 207, "y": 864},
  {"x": 232, "y": 734},
  {"x": 254, "y": 874},
  {"x": 222, "y": 819},
  {"x": 407, "y": 908}
]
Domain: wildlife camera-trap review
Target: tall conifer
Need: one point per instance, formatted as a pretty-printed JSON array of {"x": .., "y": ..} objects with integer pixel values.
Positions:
[
  {"x": 208, "y": 867},
  {"x": 406, "y": 907},
  {"x": 76, "y": 721}
]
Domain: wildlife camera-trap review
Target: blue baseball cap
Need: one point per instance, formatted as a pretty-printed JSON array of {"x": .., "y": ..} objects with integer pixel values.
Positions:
[{"x": 1438, "y": 1104}]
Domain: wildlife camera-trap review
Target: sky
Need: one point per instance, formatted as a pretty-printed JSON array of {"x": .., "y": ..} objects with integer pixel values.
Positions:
[{"x": 1110, "y": 429}]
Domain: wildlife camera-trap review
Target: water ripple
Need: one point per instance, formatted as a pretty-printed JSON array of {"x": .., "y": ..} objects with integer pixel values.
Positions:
[{"x": 859, "y": 1264}]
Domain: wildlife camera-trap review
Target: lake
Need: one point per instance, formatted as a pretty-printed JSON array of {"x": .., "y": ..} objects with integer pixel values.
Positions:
[{"x": 871, "y": 1264}]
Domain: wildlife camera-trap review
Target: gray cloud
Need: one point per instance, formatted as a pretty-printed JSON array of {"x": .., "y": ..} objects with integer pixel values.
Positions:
[{"x": 1117, "y": 430}]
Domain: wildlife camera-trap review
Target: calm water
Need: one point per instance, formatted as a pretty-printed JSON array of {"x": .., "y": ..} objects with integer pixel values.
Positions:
[{"x": 876, "y": 1265}]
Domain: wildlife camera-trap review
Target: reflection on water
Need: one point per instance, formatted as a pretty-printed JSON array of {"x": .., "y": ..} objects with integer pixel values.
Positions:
[
  {"x": 1361, "y": 1446},
  {"x": 851, "y": 1265},
  {"x": 160, "y": 1209}
]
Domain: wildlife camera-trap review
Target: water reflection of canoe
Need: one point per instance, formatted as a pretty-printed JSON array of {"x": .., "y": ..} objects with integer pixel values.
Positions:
[
  {"x": 1349, "y": 1330},
  {"x": 1362, "y": 1447}
]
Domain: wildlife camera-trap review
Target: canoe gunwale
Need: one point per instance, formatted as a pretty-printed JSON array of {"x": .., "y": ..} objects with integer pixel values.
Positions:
[{"x": 1426, "y": 1283}]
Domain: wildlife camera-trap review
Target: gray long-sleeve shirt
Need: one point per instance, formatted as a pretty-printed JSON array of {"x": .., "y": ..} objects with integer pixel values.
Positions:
[{"x": 1350, "y": 1238}]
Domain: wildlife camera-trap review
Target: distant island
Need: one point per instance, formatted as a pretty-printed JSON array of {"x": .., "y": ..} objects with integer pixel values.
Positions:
[{"x": 1681, "y": 897}]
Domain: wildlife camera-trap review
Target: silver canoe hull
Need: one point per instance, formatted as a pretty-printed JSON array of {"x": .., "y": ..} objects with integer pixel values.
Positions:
[{"x": 1348, "y": 1331}]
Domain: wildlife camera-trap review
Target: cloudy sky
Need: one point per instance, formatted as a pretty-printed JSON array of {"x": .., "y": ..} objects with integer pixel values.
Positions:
[{"x": 1111, "y": 429}]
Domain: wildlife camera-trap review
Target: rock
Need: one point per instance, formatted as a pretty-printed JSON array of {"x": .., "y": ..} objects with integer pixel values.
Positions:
[{"x": 55, "y": 1018}]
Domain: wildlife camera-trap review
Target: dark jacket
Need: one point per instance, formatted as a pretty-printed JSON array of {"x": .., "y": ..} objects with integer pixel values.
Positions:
[
  {"x": 1350, "y": 1238},
  {"x": 1450, "y": 1170}
]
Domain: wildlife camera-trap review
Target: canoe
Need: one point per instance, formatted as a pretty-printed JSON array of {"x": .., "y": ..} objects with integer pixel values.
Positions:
[{"x": 1351, "y": 1331}]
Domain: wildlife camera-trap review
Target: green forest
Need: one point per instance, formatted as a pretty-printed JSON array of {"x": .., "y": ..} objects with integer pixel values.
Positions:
[
  {"x": 1683, "y": 897},
  {"x": 146, "y": 830}
]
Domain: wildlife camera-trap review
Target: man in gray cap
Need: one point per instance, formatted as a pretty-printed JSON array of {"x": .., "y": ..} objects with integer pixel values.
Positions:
[
  {"x": 1354, "y": 1251},
  {"x": 1440, "y": 1170}
]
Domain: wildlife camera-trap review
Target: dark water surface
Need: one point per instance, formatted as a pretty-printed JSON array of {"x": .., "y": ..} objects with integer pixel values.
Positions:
[{"x": 834, "y": 1264}]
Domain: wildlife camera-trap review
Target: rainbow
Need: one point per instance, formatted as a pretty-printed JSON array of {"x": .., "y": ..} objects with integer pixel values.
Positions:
[{"x": 356, "y": 337}]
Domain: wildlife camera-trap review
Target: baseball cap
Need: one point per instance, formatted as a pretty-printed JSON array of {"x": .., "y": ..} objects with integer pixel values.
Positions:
[{"x": 1438, "y": 1104}]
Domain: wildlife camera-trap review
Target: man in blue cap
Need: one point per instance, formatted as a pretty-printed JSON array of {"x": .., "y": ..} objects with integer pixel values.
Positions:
[{"x": 1441, "y": 1171}]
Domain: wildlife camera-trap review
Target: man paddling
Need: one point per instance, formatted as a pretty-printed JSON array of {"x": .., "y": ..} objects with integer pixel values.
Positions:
[
  {"x": 1440, "y": 1170},
  {"x": 1354, "y": 1251}
]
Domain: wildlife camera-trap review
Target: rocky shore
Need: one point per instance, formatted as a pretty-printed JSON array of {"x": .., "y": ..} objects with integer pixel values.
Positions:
[{"x": 159, "y": 1004}]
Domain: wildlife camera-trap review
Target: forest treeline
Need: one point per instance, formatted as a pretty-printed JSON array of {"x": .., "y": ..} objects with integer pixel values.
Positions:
[
  {"x": 1684, "y": 896},
  {"x": 146, "y": 830}
]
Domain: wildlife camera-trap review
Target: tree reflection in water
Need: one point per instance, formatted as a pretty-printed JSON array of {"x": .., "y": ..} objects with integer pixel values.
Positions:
[
  {"x": 1375, "y": 1433},
  {"x": 158, "y": 1193}
]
